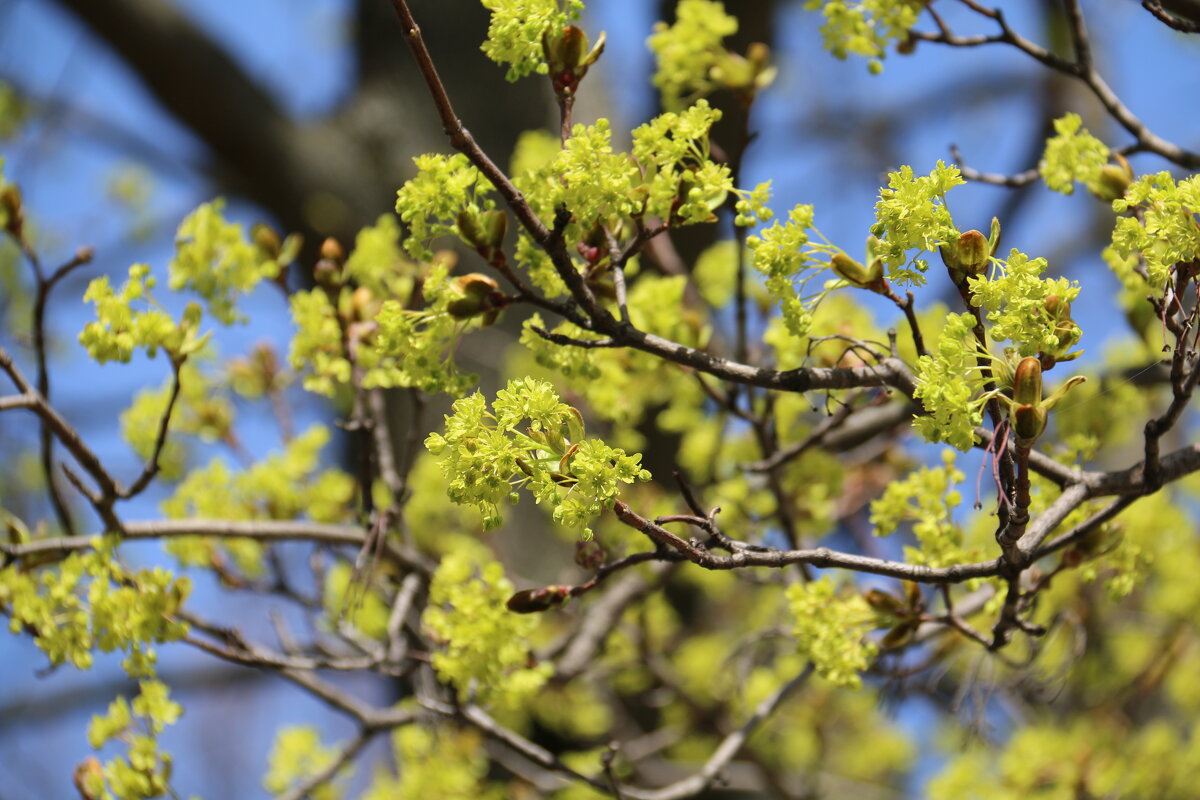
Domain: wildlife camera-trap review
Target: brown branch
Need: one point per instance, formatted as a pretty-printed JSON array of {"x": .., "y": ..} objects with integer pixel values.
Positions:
[
  {"x": 160, "y": 440},
  {"x": 266, "y": 531},
  {"x": 45, "y": 437},
  {"x": 817, "y": 557},
  {"x": 1082, "y": 70}
]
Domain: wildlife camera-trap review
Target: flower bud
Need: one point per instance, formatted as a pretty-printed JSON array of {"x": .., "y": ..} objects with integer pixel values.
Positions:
[
  {"x": 1027, "y": 382},
  {"x": 363, "y": 305},
  {"x": 969, "y": 255},
  {"x": 13, "y": 209},
  {"x": 884, "y": 603},
  {"x": 1056, "y": 307},
  {"x": 572, "y": 46},
  {"x": 589, "y": 555},
  {"x": 530, "y": 601},
  {"x": 332, "y": 250},
  {"x": 89, "y": 779}
]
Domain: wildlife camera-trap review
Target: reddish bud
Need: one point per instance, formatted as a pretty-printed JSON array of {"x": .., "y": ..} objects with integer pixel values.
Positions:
[
  {"x": 1027, "y": 382},
  {"x": 332, "y": 249},
  {"x": 531, "y": 601},
  {"x": 14, "y": 210}
]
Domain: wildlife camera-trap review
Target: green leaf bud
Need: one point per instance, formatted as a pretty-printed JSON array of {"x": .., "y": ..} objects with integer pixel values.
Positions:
[
  {"x": 495, "y": 225},
  {"x": 469, "y": 228},
  {"x": 575, "y": 424},
  {"x": 994, "y": 236},
  {"x": 850, "y": 270},
  {"x": 1114, "y": 179},
  {"x": 900, "y": 634}
]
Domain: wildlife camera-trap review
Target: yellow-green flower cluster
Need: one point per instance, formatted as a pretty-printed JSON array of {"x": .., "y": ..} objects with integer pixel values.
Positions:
[
  {"x": 285, "y": 485},
  {"x": 1072, "y": 155},
  {"x": 948, "y": 382},
  {"x": 516, "y": 30},
  {"x": 911, "y": 214},
  {"x": 377, "y": 262},
  {"x": 686, "y": 51},
  {"x": 429, "y": 203},
  {"x": 751, "y": 206},
  {"x": 679, "y": 180},
  {"x": 865, "y": 28},
  {"x": 1016, "y": 304},
  {"x": 924, "y": 498},
  {"x": 487, "y": 455},
  {"x": 214, "y": 258},
  {"x": 298, "y": 755},
  {"x": 485, "y": 647},
  {"x": 120, "y": 328},
  {"x": 593, "y": 181},
  {"x": 146, "y": 773},
  {"x": 1169, "y": 233},
  {"x": 435, "y": 764},
  {"x": 831, "y": 631},
  {"x": 1082, "y": 757},
  {"x": 416, "y": 348},
  {"x": 780, "y": 253},
  {"x": 619, "y": 384},
  {"x": 90, "y": 602}
]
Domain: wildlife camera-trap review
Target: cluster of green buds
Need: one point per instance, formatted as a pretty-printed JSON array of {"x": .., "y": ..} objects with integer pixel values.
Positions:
[
  {"x": 1114, "y": 179},
  {"x": 484, "y": 231},
  {"x": 1028, "y": 411},
  {"x": 970, "y": 254},
  {"x": 1065, "y": 329},
  {"x": 745, "y": 75},
  {"x": 478, "y": 296},
  {"x": 569, "y": 58}
]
